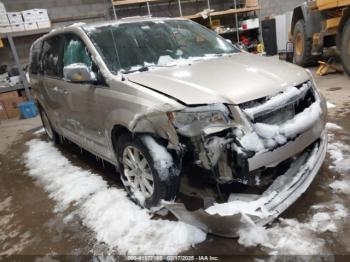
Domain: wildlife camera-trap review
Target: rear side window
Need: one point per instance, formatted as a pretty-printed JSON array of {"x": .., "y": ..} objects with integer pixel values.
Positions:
[
  {"x": 52, "y": 51},
  {"x": 35, "y": 58}
]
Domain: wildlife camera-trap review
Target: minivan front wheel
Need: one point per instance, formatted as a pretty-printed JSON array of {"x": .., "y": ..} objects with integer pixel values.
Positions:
[{"x": 141, "y": 174}]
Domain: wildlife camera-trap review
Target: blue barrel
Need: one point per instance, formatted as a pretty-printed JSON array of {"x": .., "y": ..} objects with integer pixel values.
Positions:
[{"x": 28, "y": 109}]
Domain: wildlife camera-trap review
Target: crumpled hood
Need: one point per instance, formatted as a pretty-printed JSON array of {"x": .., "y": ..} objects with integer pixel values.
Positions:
[{"x": 232, "y": 79}]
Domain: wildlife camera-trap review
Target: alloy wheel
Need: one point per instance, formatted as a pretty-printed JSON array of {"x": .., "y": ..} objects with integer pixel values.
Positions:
[{"x": 138, "y": 172}]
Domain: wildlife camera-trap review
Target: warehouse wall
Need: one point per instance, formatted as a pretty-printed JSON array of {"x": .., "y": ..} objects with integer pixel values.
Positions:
[
  {"x": 61, "y": 12},
  {"x": 277, "y": 7}
]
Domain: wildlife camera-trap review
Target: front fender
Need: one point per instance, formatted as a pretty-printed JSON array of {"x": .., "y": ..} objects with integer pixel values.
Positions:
[{"x": 153, "y": 122}]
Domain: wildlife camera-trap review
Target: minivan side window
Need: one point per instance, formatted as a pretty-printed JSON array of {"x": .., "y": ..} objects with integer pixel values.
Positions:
[
  {"x": 52, "y": 57},
  {"x": 35, "y": 58},
  {"x": 75, "y": 51}
]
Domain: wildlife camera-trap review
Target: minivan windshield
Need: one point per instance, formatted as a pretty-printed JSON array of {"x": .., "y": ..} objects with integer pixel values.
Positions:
[{"x": 137, "y": 46}]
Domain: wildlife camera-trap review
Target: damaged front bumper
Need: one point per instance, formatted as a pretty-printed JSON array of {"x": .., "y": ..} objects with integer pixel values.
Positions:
[{"x": 281, "y": 194}]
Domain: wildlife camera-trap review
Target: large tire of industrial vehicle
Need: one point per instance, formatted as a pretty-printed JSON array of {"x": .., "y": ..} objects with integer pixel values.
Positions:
[
  {"x": 345, "y": 48},
  {"x": 302, "y": 45},
  {"x": 49, "y": 130},
  {"x": 148, "y": 171}
]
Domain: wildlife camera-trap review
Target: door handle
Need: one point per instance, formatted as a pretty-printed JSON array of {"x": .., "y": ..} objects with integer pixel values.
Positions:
[
  {"x": 55, "y": 89},
  {"x": 65, "y": 92}
]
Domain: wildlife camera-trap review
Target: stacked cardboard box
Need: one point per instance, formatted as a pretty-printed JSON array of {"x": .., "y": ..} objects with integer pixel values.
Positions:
[
  {"x": 251, "y": 3},
  {"x": 16, "y": 21},
  {"x": 36, "y": 17},
  {"x": 9, "y": 105},
  {"x": 250, "y": 24},
  {"x": 5, "y": 26},
  {"x": 23, "y": 21}
]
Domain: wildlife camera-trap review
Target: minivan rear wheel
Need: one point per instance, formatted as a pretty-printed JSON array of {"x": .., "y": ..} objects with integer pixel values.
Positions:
[
  {"x": 49, "y": 130},
  {"x": 142, "y": 178}
]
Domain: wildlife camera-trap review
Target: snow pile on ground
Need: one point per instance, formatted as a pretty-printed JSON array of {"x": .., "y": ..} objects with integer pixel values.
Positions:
[
  {"x": 341, "y": 186},
  {"x": 107, "y": 211},
  {"x": 293, "y": 237},
  {"x": 340, "y": 154},
  {"x": 330, "y": 105},
  {"x": 333, "y": 127},
  {"x": 39, "y": 132},
  {"x": 13, "y": 237}
]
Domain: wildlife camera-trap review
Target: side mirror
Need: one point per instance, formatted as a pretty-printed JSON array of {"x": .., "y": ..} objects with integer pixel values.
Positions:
[
  {"x": 78, "y": 73},
  {"x": 229, "y": 41}
]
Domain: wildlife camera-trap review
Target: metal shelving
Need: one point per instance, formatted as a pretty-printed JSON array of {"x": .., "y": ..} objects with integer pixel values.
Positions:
[
  {"x": 11, "y": 88},
  {"x": 225, "y": 12},
  {"x": 26, "y": 33},
  {"x": 10, "y": 36},
  {"x": 234, "y": 11}
]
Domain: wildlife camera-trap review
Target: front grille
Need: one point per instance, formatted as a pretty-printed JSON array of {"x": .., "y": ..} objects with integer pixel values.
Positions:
[{"x": 283, "y": 112}]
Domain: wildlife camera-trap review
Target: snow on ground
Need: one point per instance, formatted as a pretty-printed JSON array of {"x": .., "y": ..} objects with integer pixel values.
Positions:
[
  {"x": 115, "y": 219},
  {"x": 13, "y": 238},
  {"x": 330, "y": 105},
  {"x": 333, "y": 127},
  {"x": 294, "y": 237},
  {"x": 39, "y": 132}
]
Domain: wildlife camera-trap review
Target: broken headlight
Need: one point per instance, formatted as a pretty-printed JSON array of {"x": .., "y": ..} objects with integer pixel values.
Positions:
[{"x": 196, "y": 121}]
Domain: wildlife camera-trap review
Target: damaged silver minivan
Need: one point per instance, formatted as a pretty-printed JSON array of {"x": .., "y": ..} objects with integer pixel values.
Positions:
[{"x": 156, "y": 95}]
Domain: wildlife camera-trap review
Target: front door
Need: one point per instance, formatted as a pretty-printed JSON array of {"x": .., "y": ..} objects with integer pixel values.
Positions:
[{"x": 81, "y": 99}]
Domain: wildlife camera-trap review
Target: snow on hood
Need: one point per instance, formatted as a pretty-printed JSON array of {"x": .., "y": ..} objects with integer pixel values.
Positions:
[
  {"x": 231, "y": 79},
  {"x": 115, "y": 219}
]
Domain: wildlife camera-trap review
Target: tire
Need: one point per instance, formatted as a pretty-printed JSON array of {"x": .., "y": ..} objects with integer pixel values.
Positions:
[
  {"x": 345, "y": 48},
  {"x": 163, "y": 189},
  {"x": 302, "y": 45},
  {"x": 49, "y": 130}
]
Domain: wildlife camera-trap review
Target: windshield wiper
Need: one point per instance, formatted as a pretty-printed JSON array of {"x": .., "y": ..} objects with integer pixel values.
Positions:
[{"x": 141, "y": 69}]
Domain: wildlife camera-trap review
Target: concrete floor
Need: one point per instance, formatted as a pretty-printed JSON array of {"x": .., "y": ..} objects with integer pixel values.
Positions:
[
  {"x": 11, "y": 130},
  {"x": 29, "y": 225}
]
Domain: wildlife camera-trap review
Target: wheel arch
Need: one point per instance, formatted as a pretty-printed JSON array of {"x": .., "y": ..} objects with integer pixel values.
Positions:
[{"x": 116, "y": 132}]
